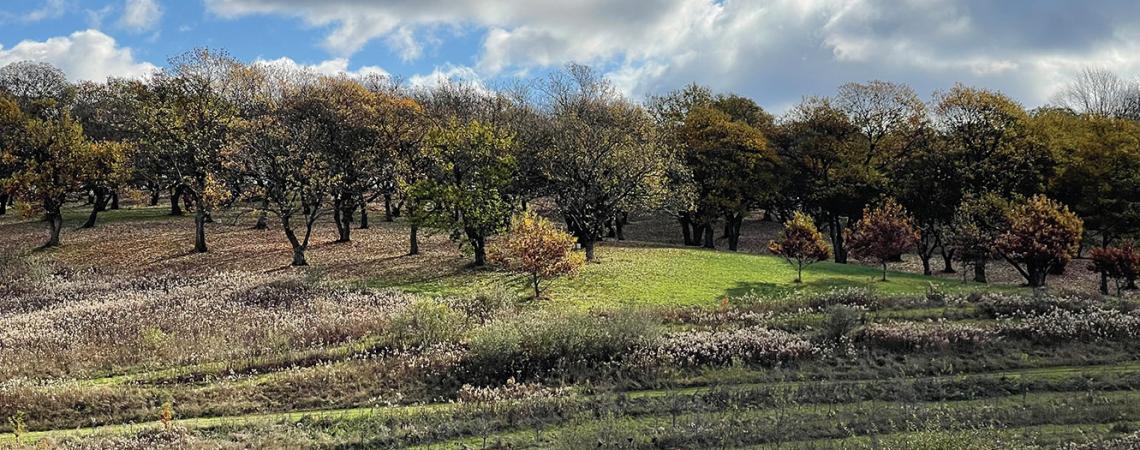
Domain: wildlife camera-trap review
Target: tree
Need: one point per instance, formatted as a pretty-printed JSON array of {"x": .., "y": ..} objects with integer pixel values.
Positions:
[
  {"x": 536, "y": 247},
  {"x": 669, "y": 112},
  {"x": 602, "y": 158},
  {"x": 800, "y": 244},
  {"x": 1120, "y": 264},
  {"x": 186, "y": 121},
  {"x": 1100, "y": 92},
  {"x": 1041, "y": 234},
  {"x": 882, "y": 234},
  {"x": 48, "y": 157},
  {"x": 466, "y": 188},
  {"x": 827, "y": 172},
  {"x": 40, "y": 90},
  {"x": 977, "y": 224},
  {"x": 106, "y": 167}
]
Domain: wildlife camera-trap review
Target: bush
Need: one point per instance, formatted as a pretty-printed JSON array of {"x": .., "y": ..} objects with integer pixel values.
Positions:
[
  {"x": 1064, "y": 325},
  {"x": 907, "y": 336},
  {"x": 536, "y": 343},
  {"x": 426, "y": 323},
  {"x": 840, "y": 321},
  {"x": 751, "y": 345},
  {"x": 484, "y": 305}
]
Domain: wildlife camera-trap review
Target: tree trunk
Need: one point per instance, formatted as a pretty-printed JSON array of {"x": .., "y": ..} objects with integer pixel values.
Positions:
[
  {"x": 837, "y": 244},
  {"x": 535, "y": 280},
  {"x": 1036, "y": 277},
  {"x": 414, "y": 240},
  {"x": 980, "y": 271},
  {"x": 55, "y": 222},
  {"x": 622, "y": 220},
  {"x": 363, "y": 214},
  {"x": 200, "y": 229},
  {"x": 947, "y": 260},
  {"x": 97, "y": 206},
  {"x": 115, "y": 200},
  {"x": 154, "y": 197},
  {"x": 799, "y": 273},
  {"x": 387, "y": 207},
  {"x": 3, "y": 204},
  {"x": 732, "y": 227},
  {"x": 707, "y": 231},
  {"x": 1104, "y": 284},
  {"x": 1058, "y": 268},
  {"x": 478, "y": 243},
  {"x": 298, "y": 246},
  {"x": 884, "y": 271},
  {"x": 176, "y": 201},
  {"x": 263, "y": 216},
  {"x": 342, "y": 215},
  {"x": 683, "y": 219},
  {"x": 588, "y": 245}
]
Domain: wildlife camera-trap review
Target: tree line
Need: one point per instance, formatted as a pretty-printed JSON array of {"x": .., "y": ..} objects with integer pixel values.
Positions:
[{"x": 210, "y": 132}]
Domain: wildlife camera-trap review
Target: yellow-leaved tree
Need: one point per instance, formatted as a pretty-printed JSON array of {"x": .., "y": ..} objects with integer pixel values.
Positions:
[{"x": 538, "y": 248}]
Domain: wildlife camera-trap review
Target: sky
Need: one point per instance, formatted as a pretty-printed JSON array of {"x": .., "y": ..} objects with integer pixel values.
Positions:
[{"x": 774, "y": 51}]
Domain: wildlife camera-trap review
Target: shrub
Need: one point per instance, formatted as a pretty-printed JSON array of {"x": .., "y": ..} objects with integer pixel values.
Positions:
[
  {"x": 860, "y": 297},
  {"x": 426, "y": 323},
  {"x": 484, "y": 305},
  {"x": 536, "y": 343},
  {"x": 940, "y": 335},
  {"x": 1119, "y": 264},
  {"x": 840, "y": 321},
  {"x": 1063, "y": 325},
  {"x": 751, "y": 345}
]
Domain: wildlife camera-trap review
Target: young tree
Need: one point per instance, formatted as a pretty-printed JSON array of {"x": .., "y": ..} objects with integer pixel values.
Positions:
[
  {"x": 48, "y": 157},
  {"x": 800, "y": 244},
  {"x": 1120, "y": 264},
  {"x": 1041, "y": 234},
  {"x": 466, "y": 188},
  {"x": 602, "y": 157},
  {"x": 977, "y": 224},
  {"x": 882, "y": 234},
  {"x": 536, "y": 247}
]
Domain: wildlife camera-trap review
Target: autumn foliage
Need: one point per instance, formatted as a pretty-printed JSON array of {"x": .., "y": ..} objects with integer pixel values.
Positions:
[
  {"x": 801, "y": 244},
  {"x": 1119, "y": 264},
  {"x": 884, "y": 233},
  {"x": 1042, "y": 232},
  {"x": 536, "y": 247}
]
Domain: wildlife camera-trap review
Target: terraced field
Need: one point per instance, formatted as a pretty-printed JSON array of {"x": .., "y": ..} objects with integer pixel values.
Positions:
[{"x": 145, "y": 356}]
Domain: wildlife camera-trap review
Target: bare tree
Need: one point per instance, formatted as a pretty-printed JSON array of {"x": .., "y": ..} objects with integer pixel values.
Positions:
[{"x": 1101, "y": 92}]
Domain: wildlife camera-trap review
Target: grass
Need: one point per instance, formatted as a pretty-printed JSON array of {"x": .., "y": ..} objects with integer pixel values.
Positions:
[{"x": 635, "y": 275}]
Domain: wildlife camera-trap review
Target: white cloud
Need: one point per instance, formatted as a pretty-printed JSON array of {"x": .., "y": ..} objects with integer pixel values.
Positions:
[
  {"x": 84, "y": 55},
  {"x": 447, "y": 73},
  {"x": 50, "y": 10},
  {"x": 772, "y": 50},
  {"x": 336, "y": 66},
  {"x": 141, "y": 15}
]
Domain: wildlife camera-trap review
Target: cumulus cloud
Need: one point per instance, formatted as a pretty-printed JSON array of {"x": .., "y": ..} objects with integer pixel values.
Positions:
[
  {"x": 141, "y": 15},
  {"x": 336, "y": 66},
  {"x": 83, "y": 55},
  {"x": 772, "y": 50},
  {"x": 447, "y": 73}
]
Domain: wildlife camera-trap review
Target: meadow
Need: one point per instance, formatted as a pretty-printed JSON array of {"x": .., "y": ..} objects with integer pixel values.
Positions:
[{"x": 123, "y": 338}]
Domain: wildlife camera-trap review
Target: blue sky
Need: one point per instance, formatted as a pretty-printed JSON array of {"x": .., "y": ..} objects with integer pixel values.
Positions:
[{"x": 775, "y": 51}]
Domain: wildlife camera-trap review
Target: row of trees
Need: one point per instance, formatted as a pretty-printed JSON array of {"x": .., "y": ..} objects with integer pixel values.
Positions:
[{"x": 212, "y": 132}]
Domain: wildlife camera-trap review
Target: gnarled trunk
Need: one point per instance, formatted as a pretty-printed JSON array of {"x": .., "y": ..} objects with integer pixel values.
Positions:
[
  {"x": 97, "y": 206},
  {"x": 176, "y": 201},
  {"x": 55, "y": 222},
  {"x": 363, "y": 214}
]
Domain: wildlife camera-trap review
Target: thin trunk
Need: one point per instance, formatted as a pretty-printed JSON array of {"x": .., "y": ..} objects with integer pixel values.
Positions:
[
  {"x": 1104, "y": 284},
  {"x": 926, "y": 270},
  {"x": 837, "y": 245},
  {"x": 97, "y": 206},
  {"x": 55, "y": 222},
  {"x": 263, "y": 216},
  {"x": 799, "y": 273},
  {"x": 707, "y": 230},
  {"x": 414, "y": 241},
  {"x": 535, "y": 279},
  {"x": 3, "y": 204},
  {"x": 154, "y": 197},
  {"x": 298, "y": 246},
  {"x": 114, "y": 200},
  {"x": 363, "y": 214},
  {"x": 947, "y": 260},
  {"x": 683, "y": 218},
  {"x": 387, "y": 207},
  {"x": 621, "y": 226},
  {"x": 176, "y": 201},
  {"x": 884, "y": 271},
  {"x": 200, "y": 229}
]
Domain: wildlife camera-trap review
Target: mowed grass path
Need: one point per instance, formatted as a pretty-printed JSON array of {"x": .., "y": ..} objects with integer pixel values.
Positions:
[{"x": 643, "y": 275}]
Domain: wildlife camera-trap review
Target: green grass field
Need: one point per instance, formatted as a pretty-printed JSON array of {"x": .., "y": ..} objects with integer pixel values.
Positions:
[{"x": 654, "y": 276}]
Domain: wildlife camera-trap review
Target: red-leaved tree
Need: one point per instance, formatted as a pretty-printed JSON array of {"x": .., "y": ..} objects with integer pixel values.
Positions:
[
  {"x": 884, "y": 233},
  {"x": 536, "y": 247},
  {"x": 1119, "y": 264},
  {"x": 1042, "y": 233}
]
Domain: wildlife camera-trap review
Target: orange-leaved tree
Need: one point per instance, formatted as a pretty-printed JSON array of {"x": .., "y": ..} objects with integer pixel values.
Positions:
[
  {"x": 536, "y": 247},
  {"x": 801, "y": 244},
  {"x": 884, "y": 233},
  {"x": 1121, "y": 264},
  {"x": 1042, "y": 233}
]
